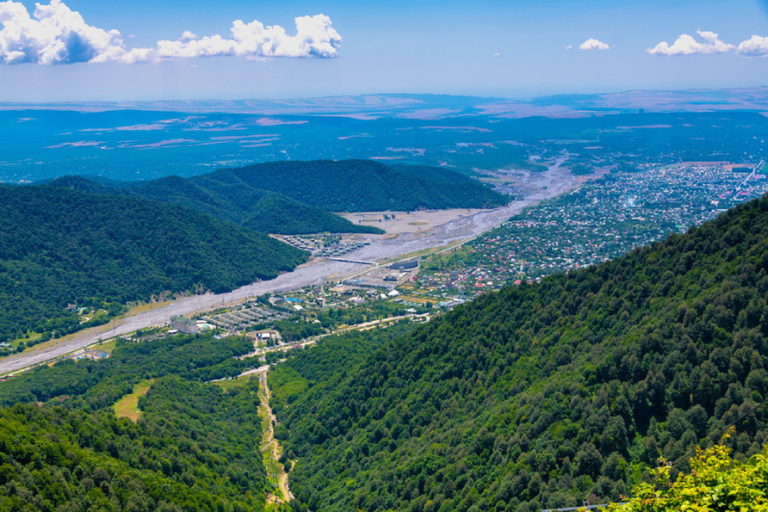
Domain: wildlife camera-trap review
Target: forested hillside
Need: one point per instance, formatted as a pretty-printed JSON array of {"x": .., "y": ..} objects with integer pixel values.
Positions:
[
  {"x": 298, "y": 197},
  {"x": 61, "y": 247},
  {"x": 249, "y": 206},
  {"x": 434, "y": 173},
  {"x": 364, "y": 185},
  {"x": 234, "y": 201},
  {"x": 194, "y": 447},
  {"x": 542, "y": 395}
]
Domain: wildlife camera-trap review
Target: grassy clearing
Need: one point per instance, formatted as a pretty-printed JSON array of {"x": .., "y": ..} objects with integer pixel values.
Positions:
[
  {"x": 128, "y": 406},
  {"x": 418, "y": 300},
  {"x": 106, "y": 346},
  {"x": 226, "y": 385},
  {"x": 31, "y": 337}
]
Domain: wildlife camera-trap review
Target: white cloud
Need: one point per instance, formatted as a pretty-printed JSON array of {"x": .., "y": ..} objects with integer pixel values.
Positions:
[
  {"x": 58, "y": 35},
  {"x": 594, "y": 44},
  {"x": 568, "y": 47},
  {"x": 314, "y": 38},
  {"x": 687, "y": 45},
  {"x": 756, "y": 46}
]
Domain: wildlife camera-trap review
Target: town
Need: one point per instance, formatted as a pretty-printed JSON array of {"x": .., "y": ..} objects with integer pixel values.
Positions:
[{"x": 594, "y": 223}]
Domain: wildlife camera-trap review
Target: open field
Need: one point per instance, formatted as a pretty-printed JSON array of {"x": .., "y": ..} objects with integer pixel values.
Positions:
[
  {"x": 409, "y": 222},
  {"x": 128, "y": 406}
]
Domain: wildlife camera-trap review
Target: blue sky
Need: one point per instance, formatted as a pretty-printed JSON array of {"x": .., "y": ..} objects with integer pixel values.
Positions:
[{"x": 491, "y": 48}]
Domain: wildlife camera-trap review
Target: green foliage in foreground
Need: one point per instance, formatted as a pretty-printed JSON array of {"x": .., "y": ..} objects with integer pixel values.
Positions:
[
  {"x": 542, "y": 395},
  {"x": 60, "y": 247},
  {"x": 716, "y": 482}
]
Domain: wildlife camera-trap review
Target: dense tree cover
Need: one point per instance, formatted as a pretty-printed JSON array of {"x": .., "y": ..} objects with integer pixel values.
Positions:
[
  {"x": 435, "y": 173},
  {"x": 542, "y": 395},
  {"x": 100, "y": 383},
  {"x": 334, "y": 317},
  {"x": 60, "y": 247},
  {"x": 195, "y": 448},
  {"x": 248, "y": 205},
  {"x": 347, "y": 350},
  {"x": 298, "y": 197},
  {"x": 361, "y": 185},
  {"x": 238, "y": 202},
  {"x": 297, "y": 329}
]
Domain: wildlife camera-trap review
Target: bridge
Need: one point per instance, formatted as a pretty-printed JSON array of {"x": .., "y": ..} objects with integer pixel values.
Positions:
[{"x": 348, "y": 260}]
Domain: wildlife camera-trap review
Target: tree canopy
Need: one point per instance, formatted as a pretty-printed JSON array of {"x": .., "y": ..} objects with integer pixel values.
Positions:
[
  {"x": 60, "y": 247},
  {"x": 540, "y": 396}
]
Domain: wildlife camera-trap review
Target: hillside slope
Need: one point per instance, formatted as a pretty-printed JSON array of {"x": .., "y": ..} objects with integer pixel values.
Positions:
[
  {"x": 363, "y": 185},
  {"x": 238, "y": 202},
  {"x": 542, "y": 395},
  {"x": 298, "y": 197},
  {"x": 60, "y": 247},
  {"x": 194, "y": 447}
]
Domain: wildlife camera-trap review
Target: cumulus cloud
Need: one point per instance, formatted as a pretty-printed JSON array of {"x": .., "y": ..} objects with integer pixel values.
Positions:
[
  {"x": 54, "y": 34},
  {"x": 57, "y": 35},
  {"x": 314, "y": 38},
  {"x": 687, "y": 45},
  {"x": 756, "y": 46},
  {"x": 594, "y": 44}
]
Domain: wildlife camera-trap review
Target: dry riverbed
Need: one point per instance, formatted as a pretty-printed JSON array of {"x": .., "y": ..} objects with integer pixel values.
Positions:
[{"x": 409, "y": 233}]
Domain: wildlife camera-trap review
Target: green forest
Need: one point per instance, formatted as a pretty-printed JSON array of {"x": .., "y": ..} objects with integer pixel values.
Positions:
[
  {"x": 537, "y": 396},
  {"x": 234, "y": 201},
  {"x": 61, "y": 247},
  {"x": 544, "y": 395},
  {"x": 364, "y": 185},
  {"x": 194, "y": 448},
  {"x": 298, "y": 197}
]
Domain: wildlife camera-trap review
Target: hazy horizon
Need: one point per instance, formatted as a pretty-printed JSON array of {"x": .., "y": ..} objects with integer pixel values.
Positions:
[{"x": 81, "y": 50}]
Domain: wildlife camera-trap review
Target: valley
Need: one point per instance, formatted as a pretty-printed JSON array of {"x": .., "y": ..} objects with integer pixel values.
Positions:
[
  {"x": 427, "y": 357},
  {"x": 308, "y": 274},
  {"x": 383, "y": 256}
]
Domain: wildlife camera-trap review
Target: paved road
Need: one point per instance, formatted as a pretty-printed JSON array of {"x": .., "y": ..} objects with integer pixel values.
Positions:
[{"x": 313, "y": 273}]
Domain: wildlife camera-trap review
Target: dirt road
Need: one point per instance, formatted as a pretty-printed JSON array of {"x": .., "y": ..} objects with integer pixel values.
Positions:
[{"x": 272, "y": 445}]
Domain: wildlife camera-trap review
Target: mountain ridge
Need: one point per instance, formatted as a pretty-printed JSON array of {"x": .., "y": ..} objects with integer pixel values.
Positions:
[{"x": 299, "y": 197}]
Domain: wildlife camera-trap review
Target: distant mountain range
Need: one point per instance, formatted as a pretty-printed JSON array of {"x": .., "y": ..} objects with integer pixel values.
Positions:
[{"x": 298, "y": 197}]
